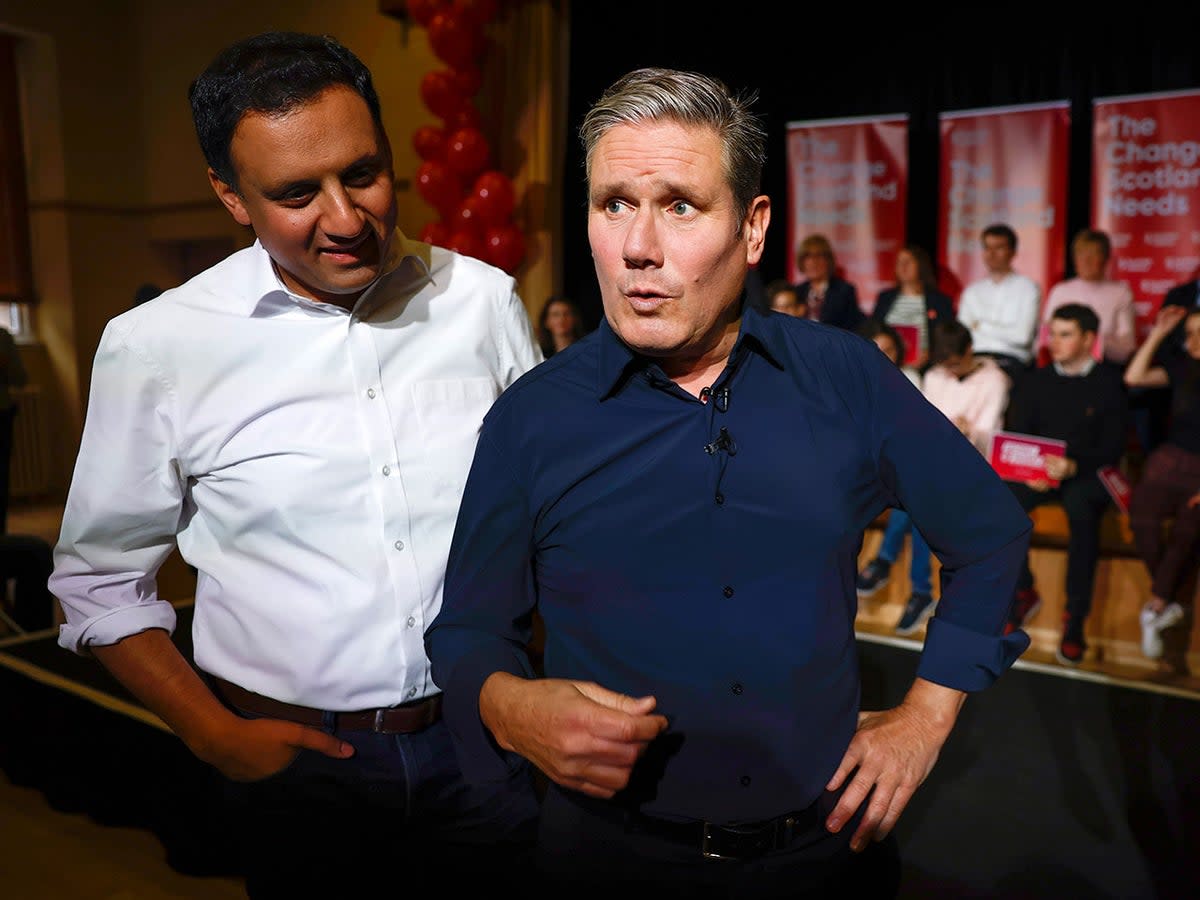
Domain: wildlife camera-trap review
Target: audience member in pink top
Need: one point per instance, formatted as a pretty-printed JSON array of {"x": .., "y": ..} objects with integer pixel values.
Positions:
[
  {"x": 971, "y": 391},
  {"x": 1091, "y": 286}
]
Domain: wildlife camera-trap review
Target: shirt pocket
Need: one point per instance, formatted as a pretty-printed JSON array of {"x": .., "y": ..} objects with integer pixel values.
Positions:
[{"x": 449, "y": 413}]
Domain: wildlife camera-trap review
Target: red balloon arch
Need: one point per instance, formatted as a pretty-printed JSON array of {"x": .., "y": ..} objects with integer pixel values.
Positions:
[{"x": 474, "y": 201}]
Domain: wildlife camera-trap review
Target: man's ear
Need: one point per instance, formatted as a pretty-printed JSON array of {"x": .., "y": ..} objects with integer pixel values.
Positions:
[
  {"x": 229, "y": 198},
  {"x": 758, "y": 217}
]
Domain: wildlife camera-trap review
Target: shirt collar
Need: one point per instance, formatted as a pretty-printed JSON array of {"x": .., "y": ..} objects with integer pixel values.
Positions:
[
  {"x": 1084, "y": 370},
  {"x": 406, "y": 270},
  {"x": 759, "y": 333}
]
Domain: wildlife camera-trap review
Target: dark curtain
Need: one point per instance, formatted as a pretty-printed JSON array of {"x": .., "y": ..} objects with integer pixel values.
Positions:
[
  {"x": 16, "y": 267},
  {"x": 809, "y": 64}
]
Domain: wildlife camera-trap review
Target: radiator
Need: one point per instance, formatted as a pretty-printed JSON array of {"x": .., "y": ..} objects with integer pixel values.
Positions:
[{"x": 29, "y": 473}]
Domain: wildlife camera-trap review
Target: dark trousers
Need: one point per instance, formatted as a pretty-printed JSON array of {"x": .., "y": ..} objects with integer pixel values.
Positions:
[
  {"x": 395, "y": 817},
  {"x": 28, "y": 561},
  {"x": 1085, "y": 500},
  {"x": 1170, "y": 478},
  {"x": 6, "y": 441},
  {"x": 592, "y": 848}
]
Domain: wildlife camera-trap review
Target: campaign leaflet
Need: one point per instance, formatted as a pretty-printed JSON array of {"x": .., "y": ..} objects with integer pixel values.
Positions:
[
  {"x": 912, "y": 343},
  {"x": 1022, "y": 457},
  {"x": 1117, "y": 485}
]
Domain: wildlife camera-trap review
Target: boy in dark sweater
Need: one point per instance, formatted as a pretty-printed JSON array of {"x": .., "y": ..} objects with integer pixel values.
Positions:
[{"x": 1083, "y": 402}]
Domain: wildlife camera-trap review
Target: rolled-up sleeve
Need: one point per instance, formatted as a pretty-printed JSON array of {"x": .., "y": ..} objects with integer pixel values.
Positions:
[{"x": 124, "y": 505}]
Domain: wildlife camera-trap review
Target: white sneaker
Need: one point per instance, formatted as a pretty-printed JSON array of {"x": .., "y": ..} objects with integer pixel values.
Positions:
[{"x": 1153, "y": 623}]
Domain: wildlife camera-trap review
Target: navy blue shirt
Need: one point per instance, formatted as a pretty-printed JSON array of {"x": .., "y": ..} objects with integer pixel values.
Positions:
[{"x": 705, "y": 553}]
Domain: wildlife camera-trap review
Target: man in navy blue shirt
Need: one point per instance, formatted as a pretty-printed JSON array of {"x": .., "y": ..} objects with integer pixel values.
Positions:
[{"x": 682, "y": 496}]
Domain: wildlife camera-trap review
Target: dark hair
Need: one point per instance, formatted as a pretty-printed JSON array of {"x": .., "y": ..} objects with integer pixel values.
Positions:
[
  {"x": 692, "y": 100},
  {"x": 999, "y": 229},
  {"x": 544, "y": 338},
  {"x": 1079, "y": 313},
  {"x": 871, "y": 328},
  {"x": 269, "y": 73},
  {"x": 950, "y": 337},
  {"x": 925, "y": 271}
]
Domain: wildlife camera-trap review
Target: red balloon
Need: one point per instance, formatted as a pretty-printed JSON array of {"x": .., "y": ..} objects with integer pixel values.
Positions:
[
  {"x": 467, "y": 241},
  {"x": 469, "y": 79},
  {"x": 482, "y": 12},
  {"x": 466, "y": 116},
  {"x": 437, "y": 233},
  {"x": 423, "y": 11},
  {"x": 495, "y": 197},
  {"x": 455, "y": 38},
  {"x": 440, "y": 93},
  {"x": 438, "y": 184},
  {"x": 467, "y": 152},
  {"x": 430, "y": 142},
  {"x": 504, "y": 247}
]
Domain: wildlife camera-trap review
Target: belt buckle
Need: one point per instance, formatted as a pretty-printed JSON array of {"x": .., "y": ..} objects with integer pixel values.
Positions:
[
  {"x": 379, "y": 725},
  {"x": 707, "y": 840}
]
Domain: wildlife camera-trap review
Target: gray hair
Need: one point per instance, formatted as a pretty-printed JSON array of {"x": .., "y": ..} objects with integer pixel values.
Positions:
[{"x": 686, "y": 98}]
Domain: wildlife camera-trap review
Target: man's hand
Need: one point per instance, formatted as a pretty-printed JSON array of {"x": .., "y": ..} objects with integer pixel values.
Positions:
[
  {"x": 253, "y": 749},
  {"x": 152, "y": 668},
  {"x": 583, "y": 736},
  {"x": 891, "y": 754},
  {"x": 1061, "y": 468}
]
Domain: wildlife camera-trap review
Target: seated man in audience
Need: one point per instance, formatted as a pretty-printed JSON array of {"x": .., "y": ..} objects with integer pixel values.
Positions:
[
  {"x": 1084, "y": 404},
  {"x": 1001, "y": 309}
]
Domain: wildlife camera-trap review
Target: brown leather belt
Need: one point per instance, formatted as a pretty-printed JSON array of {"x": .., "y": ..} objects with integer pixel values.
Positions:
[{"x": 403, "y": 719}]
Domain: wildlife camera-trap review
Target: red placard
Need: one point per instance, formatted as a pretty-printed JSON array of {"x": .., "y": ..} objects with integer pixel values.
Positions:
[
  {"x": 1003, "y": 164},
  {"x": 1117, "y": 484},
  {"x": 1022, "y": 457},
  {"x": 848, "y": 180},
  {"x": 1145, "y": 193},
  {"x": 911, "y": 336}
]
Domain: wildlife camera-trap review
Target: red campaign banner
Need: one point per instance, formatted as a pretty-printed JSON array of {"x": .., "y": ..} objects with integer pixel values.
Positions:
[
  {"x": 1003, "y": 164},
  {"x": 848, "y": 180},
  {"x": 1146, "y": 192}
]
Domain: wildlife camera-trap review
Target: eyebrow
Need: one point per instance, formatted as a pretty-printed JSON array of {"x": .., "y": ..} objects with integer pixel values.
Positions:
[{"x": 368, "y": 161}]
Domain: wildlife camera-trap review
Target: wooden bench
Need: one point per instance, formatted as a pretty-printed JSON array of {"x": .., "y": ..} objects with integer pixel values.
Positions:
[{"x": 1122, "y": 587}]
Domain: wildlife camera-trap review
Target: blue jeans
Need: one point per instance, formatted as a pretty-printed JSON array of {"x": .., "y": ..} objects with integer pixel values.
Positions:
[
  {"x": 399, "y": 806},
  {"x": 899, "y": 524}
]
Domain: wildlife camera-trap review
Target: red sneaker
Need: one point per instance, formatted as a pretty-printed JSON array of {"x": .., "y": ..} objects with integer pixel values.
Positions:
[{"x": 1025, "y": 606}]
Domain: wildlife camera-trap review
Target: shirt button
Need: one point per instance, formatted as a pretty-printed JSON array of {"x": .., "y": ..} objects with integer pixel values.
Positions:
[
  {"x": 387, "y": 470},
  {"x": 720, "y": 498},
  {"x": 737, "y": 688},
  {"x": 371, "y": 393},
  {"x": 411, "y": 621},
  {"x": 728, "y": 592},
  {"x": 745, "y": 780},
  {"x": 399, "y": 545},
  {"x": 412, "y": 692}
]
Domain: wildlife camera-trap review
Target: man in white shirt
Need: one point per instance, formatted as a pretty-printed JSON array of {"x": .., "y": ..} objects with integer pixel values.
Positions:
[
  {"x": 1001, "y": 310},
  {"x": 299, "y": 421}
]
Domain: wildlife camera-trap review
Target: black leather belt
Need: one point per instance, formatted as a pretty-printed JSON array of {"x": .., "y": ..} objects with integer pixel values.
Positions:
[
  {"x": 742, "y": 840},
  {"x": 403, "y": 719}
]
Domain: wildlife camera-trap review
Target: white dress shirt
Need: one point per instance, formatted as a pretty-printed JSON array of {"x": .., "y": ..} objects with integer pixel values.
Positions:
[
  {"x": 307, "y": 461},
  {"x": 1002, "y": 316}
]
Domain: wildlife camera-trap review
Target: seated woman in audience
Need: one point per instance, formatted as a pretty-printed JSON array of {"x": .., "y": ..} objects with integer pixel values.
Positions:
[
  {"x": 828, "y": 297},
  {"x": 1169, "y": 488},
  {"x": 559, "y": 325},
  {"x": 914, "y": 301},
  {"x": 888, "y": 339},
  {"x": 972, "y": 392}
]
